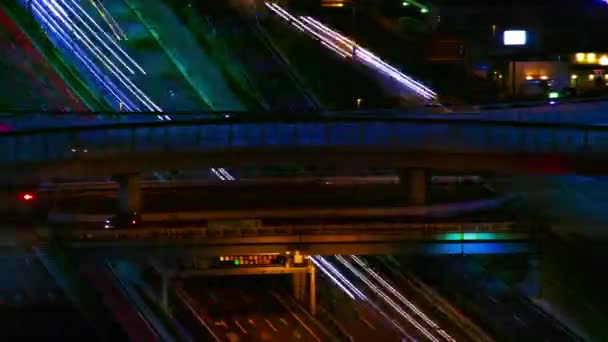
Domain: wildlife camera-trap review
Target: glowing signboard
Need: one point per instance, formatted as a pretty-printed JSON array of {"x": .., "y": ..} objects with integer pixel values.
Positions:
[{"x": 515, "y": 37}]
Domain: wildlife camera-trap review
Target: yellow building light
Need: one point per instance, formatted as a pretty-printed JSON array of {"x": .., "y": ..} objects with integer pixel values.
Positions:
[
  {"x": 529, "y": 78},
  {"x": 591, "y": 57},
  {"x": 591, "y": 77},
  {"x": 606, "y": 77},
  {"x": 604, "y": 60},
  {"x": 544, "y": 78},
  {"x": 574, "y": 77},
  {"x": 580, "y": 57}
]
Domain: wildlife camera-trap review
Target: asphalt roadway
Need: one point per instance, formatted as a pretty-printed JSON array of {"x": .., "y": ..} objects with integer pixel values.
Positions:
[{"x": 248, "y": 308}]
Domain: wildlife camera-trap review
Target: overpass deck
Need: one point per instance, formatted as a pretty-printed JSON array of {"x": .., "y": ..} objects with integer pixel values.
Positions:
[{"x": 463, "y": 145}]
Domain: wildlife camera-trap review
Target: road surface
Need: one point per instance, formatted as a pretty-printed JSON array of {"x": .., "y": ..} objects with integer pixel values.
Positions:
[
  {"x": 502, "y": 310},
  {"x": 249, "y": 308}
]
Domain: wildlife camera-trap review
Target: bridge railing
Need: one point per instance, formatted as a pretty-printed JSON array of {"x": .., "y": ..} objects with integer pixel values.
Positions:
[
  {"x": 59, "y": 144},
  {"x": 438, "y": 231}
]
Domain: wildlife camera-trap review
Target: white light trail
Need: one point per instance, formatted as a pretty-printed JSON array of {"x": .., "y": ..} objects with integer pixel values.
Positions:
[
  {"x": 94, "y": 23},
  {"x": 387, "y": 299},
  {"x": 329, "y": 37},
  {"x": 90, "y": 65},
  {"x": 330, "y": 276},
  {"x": 103, "y": 43},
  {"x": 116, "y": 72},
  {"x": 341, "y": 277},
  {"x": 404, "y": 300}
]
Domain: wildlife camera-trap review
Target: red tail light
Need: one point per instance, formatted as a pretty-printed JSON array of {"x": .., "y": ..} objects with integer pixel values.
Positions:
[{"x": 28, "y": 197}]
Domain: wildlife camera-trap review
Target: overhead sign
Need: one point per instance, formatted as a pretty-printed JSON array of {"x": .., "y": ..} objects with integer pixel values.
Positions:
[{"x": 252, "y": 260}]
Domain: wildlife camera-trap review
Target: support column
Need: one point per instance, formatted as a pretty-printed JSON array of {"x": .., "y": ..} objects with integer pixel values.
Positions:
[
  {"x": 299, "y": 284},
  {"x": 415, "y": 183},
  {"x": 129, "y": 193},
  {"x": 312, "y": 296}
]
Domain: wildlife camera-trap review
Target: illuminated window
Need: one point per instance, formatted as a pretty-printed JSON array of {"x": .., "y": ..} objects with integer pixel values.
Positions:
[
  {"x": 604, "y": 60},
  {"x": 544, "y": 78},
  {"x": 529, "y": 78},
  {"x": 591, "y": 77},
  {"x": 574, "y": 77},
  {"x": 591, "y": 58}
]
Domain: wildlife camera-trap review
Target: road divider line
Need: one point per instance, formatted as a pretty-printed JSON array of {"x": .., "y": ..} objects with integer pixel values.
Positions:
[
  {"x": 270, "y": 325},
  {"x": 240, "y": 326}
]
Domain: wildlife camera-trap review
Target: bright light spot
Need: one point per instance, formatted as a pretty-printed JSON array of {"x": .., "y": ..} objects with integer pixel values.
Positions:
[
  {"x": 574, "y": 77},
  {"x": 529, "y": 78},
  {"x": 553, "y": 95},
  {"x": 424, "y": 10},
  {"x": 591, "y": 77},
  {"x": 28, "y": 197},
  {"x": 405, "y": 3},
  {"x": 580, "y": 57},
  {"x": 133, "y": 222},
  {"x": 591, "y": 57},
  {"x": 551, "y": 102},
  {"x": 515, "y": 37},
  {"x": 604, "y": 60},
  {"x": 544, "y": 78}
]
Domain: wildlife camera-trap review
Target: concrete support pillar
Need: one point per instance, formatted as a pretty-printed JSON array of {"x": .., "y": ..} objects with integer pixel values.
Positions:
[
  {"x": 312, "y": 296},
  {"x": 299, "y": 285},
  {"x": 415, "y": 183},
  {"x": 129, "y": 193}
]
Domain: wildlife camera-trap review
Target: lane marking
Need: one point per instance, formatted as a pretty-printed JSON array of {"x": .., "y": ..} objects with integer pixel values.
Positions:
[
  {"x": 252, "y": 322},
  {"x": 371, "y": 326},
  {"x": 184, "y": 297},
  {"x": 240, "y": 326},
  {"x": 295, "y": 315},
  {"x": 270, "y": 325},
  {"x": 283, "y": 321}
]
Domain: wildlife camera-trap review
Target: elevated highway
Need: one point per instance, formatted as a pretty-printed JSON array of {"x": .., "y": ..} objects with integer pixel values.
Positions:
[
  {"x": 243, "y": 238},
  {"x": 459, "y": 145}
]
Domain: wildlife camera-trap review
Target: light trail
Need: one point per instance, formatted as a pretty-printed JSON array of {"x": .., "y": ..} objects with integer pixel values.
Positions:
[
  {"x": 107, "y": 17},
  {"x": 387, "y": 299},
  {"x": 329, "y": 37},
  {"x": 332, "y": 269},
  {"x": 60, "y": 13},
  {"x": 103, "y": 43},
  {"x": 328, "y": 273},
  {"x": 339, "y": 276},
  {"x": 80, "y": 55},
  {"x": 94, "y": 23},
  {"x": 55, "y": 11},
  {"x": 404, "y": 300},
  {"x": 373, "y": 59}
]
